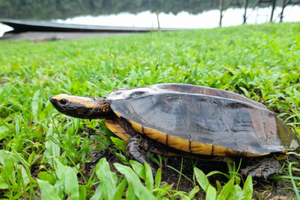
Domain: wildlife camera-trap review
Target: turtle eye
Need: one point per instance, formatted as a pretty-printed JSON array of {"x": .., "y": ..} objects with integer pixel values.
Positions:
[{"x": 63, "y": 101}]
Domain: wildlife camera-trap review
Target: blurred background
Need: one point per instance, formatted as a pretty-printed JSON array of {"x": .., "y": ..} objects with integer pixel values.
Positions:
[{"x": 151, "y": 13}]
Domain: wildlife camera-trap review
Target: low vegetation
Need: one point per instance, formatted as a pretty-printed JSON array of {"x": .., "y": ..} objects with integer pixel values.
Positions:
[{"x": 49, "y": 155}]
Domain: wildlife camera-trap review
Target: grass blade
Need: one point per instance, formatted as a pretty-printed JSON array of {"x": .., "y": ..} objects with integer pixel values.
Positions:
[{"x": 293, "y": 181}]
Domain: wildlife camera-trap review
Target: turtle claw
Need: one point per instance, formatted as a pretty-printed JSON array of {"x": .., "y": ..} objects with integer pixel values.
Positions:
[
  {"x": 134, "y": 150},
  {"x": 262, "y": 168}
]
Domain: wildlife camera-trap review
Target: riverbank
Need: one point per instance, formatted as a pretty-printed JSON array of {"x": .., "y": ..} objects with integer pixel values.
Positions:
[{"x": 48, "y": 36}]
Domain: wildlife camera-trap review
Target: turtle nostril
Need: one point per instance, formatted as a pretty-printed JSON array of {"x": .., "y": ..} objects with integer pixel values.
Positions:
[{"x": 53, "y": 100}]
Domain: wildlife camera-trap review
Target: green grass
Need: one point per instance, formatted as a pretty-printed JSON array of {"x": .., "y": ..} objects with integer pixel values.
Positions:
[{"x": 44, "y": 152}]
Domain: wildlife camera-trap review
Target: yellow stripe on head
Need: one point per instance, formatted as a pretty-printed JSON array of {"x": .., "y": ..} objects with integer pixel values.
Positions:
[{"x": 88, "y": 102}]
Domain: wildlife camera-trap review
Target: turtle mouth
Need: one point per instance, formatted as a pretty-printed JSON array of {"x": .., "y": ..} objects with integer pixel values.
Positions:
[
  {"x": 55, "y": 103},
  {"x": 60, "y": 104}
]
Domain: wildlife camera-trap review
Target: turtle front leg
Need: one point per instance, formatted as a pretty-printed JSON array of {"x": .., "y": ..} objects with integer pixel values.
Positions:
[{"x": 137, "y": 148}]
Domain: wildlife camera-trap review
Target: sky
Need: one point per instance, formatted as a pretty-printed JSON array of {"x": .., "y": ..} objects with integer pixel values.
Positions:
[{"x": 209, "y": 19}]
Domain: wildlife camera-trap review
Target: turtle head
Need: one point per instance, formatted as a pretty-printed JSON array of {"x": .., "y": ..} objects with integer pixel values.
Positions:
[{"x": 82, "y": 107}]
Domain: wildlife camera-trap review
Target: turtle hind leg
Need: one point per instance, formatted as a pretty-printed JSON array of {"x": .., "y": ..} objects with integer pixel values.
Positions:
[
  {"x": 262, "y": 167},
  {"x": 137, "y": 148},
  {"x": 134, "y": 150}
]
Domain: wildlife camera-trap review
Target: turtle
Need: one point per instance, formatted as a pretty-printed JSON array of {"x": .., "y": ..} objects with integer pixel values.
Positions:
[{"x": 190, "y": 121}]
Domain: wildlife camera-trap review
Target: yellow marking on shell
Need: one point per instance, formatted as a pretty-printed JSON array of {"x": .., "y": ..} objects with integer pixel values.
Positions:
[
  {"x": 117, "y": 129},
  {"x": 155, "y": 135},
  {"x": 179, "y": 143},
  {"x": 136, "y": 127},
  {"x": 201, "y": 148},
  {"x": 220, "y": 150},
  {"x": 117, "y": 114}
]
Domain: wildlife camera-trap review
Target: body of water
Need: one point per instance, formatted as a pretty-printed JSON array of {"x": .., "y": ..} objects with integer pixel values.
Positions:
[{"x": 209, "y": 19}]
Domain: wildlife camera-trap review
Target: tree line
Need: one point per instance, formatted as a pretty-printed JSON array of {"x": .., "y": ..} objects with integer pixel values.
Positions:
[{"x": 62, "y": 9}]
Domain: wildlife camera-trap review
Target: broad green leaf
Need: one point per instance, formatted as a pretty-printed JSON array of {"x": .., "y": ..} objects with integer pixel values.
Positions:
[
  {"x": 248, "y": 188},
  {"x": 60, "y": 187},
  {"x": 69, "y": 177},
  {"x": 297, "y": 129},
  {"x": 8, "y": 167},
  {"x": 48, "y": 192},
  {"x": 133, "y": 181},
  {"x": 120, "y": 190},
  {"x": 130, "y": 194},
  {"x": 211, "y": 193},
  {"x": 219, "y": 186},
  {"x": 83, "y": 192},
  {"x": 193, "y": 192},
  {"x": 227, "y": 188},
  {"x": 97, "y": 195},
  {"x": 45, "y": 176},
  {"x": 84, "y": 150},
  {"x": 245, "y": 92},
  {"x": 158, "y": 178},
  {"x": 25, "y": 177},
  {"x": 3, "y": 129},
  {"x": 3, "y": 132},
  {"x": 52, "y": 149},
  {"x": 237, "y": 193},
  {"x": 107, "y": 181},
  {"x": 70, "y": 149},
  {"x": 71, "y": 183},
  {"x": 3, "y": 185},
  {"x": 120, "y": 144},
  {"x": 60, "y": 169},
  {"x": 123, "y": 158},
  {"x": 201, "y": 179},
  {"x": 163, "y": 190},
  {"x": 184, "y": 197},
  {"x": 148, "y": 177},
  {"x": 138, "y": 168}
]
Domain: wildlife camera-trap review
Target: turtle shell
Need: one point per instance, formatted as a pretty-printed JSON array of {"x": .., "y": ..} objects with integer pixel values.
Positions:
[{"x": 203, "y": 120}]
